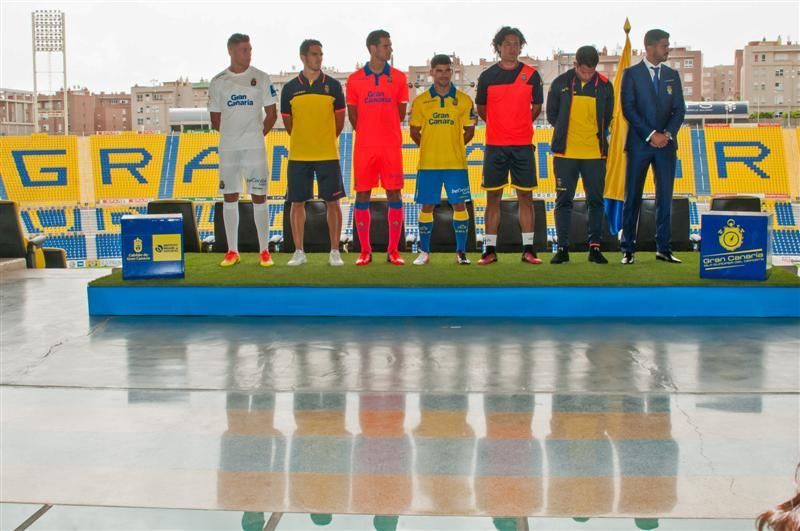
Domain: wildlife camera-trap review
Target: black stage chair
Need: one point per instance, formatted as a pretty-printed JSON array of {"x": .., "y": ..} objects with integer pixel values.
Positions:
[
  {"x": 315, "y": 234},
  {"x": 579, "y": 235},
  {"x": 741, "y": 203},
  {"x": 646, "y": 231}
]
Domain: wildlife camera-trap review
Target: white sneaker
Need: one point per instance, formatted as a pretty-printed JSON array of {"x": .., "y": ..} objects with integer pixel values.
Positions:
[
  {"x": 335, "y": 259},
  {"x": 298, "y": 258},
  {"x": 422, "y": 259}
]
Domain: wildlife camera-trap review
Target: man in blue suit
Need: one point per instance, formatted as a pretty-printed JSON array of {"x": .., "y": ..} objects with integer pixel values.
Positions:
[{"x": 652, "y": 103}]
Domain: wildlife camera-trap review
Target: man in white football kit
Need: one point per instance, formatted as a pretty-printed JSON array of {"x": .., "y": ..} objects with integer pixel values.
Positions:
[{"x": 243, "y": 106}]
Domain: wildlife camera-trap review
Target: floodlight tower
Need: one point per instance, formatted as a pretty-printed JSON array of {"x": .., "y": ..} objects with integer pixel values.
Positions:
[{"x": 49, "y": 39}]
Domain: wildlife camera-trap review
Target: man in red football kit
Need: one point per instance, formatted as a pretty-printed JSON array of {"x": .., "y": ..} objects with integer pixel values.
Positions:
[{"x": 377, "y": 96}]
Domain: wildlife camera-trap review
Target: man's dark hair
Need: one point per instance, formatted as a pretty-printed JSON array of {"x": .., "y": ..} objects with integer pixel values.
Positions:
[
  {"x": 440, "y": 59},
  {"x": 307, "y": 44},
  {"x": 652, "y": 37},
  {"x": 374, "y": 37},
  {"x": 504, "y": 32},
  {"x": 587, "y": 56},
  {"x": 237, "y": 38}
]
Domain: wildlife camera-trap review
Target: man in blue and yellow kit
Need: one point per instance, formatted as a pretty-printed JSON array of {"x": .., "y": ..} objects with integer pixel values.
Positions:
[{"x": 442, "y": 124}]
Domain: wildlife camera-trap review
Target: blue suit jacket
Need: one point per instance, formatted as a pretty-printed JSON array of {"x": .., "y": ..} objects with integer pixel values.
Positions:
[{"x": 647, "y": 111}]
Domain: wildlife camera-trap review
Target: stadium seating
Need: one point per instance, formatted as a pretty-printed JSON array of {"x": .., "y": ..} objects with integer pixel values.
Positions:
[
  {"x": 108, "y": 217},
  {"x": 127, "y": 166},
  {"x": 13, "y": 243},
  {"x": 65, "y": 185},
  {"x": 39, "y": 169},
  {"x": 197, "y": 168},
  {"x": 109, "y": 245},
  {"x": 746, "y": 160},
  {"x": 51, "y": 220}
]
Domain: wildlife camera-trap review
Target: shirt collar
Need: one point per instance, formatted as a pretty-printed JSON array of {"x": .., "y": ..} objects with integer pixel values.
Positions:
[
  {"x": 304, "y": 80},
  {"x": 651, "y": 65},
  {"x": 386, "y": 70},
  {"x": 450, "y": 93}
]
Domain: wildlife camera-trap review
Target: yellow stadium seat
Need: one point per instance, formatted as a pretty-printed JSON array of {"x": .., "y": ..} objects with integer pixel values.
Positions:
[
  {"x": 197, "y": 168},
  {"x": 746, "y": 160},
  {"x": 40, "y": 169},
  {"x": 127, "y": 166}
]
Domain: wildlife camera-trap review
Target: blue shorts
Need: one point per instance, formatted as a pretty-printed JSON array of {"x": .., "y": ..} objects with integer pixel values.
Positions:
[{"x": 429, "y": 186}]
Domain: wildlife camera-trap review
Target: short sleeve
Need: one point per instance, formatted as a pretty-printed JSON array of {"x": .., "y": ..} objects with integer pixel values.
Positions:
[
  {"x": 338, "y": 96},
  {"x": 402, "y": 90},
  {"x": 416, "y": 113},
  {"x": 214, "y": 104},
  {"x": 286, "y": 99},
  {"x": 468, "y": 116},
  {"x": 538, "y": 89},
  {"x": 482, "y": 91},
  {"x": 271, "y": 95},
  {"x": 352, "y": 92}
]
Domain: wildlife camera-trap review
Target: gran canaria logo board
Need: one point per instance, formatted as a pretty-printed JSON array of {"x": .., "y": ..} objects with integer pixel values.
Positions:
[{"x": 735, "y": 245}]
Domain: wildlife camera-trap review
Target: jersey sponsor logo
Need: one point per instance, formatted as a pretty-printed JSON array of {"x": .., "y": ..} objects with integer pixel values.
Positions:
[
  {"x": 441, "y": 118},
  {"x": 377, "y": 96},
  {"x": 239, "y": 99}
]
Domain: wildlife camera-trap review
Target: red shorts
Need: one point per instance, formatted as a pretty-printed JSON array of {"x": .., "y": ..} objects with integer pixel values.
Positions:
[{"x": 378, "y": 166}]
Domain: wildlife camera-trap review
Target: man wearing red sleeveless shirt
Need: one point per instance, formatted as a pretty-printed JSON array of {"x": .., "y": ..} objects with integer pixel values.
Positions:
[
  {"x": 509, "y": 99},
  {"x": 377, "y": 97}
]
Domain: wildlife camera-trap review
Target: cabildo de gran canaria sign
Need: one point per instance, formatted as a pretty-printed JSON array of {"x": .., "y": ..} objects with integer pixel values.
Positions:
[
  {"x": 152, "y": 246},
  {"x": 735, "y": 245}
]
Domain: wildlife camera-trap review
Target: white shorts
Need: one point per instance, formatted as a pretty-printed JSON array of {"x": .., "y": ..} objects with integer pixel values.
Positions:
[{"x": 247, "y": 164}]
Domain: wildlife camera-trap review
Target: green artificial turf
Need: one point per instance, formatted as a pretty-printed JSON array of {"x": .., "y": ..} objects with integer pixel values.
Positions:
[{"x": 442, "y": 271}]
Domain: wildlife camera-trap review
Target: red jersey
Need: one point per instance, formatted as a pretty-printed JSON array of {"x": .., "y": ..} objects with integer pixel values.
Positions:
[
  {"x": 376, "y": 97},
  {"x": 508, "y": 95}
]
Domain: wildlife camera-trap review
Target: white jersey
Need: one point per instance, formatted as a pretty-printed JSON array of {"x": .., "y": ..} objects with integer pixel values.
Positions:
[{"x": 241, "y": 99}]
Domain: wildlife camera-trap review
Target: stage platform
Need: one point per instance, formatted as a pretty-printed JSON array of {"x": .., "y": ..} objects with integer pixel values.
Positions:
[{"x": 442, "y": 289}]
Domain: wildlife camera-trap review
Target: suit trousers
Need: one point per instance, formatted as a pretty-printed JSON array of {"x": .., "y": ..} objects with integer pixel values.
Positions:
[{"x": 664, "y": 162}]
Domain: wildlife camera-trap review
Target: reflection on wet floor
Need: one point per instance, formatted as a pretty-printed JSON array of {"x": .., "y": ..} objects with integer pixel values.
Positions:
[
  {"x": 380, "y": 424},
  {"x": 443, "y": 355},
  {"x": 400, "y": 453}
]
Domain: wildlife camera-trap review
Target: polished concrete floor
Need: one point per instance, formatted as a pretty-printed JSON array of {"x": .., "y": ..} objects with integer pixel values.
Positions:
[{"x": 646, "y": 419}]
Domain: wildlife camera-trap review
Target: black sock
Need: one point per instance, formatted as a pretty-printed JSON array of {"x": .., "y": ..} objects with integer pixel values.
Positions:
[
  {"x": 489, "y": 250},
  {"x": 527, "y": 248}
]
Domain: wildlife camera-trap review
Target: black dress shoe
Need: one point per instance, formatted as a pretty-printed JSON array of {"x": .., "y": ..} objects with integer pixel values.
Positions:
[
  {"x": 561, "y": 256},
  {"x": 596, "y": 256},
  {"x": 628, "y": 259},
  {"x": 668, "y": 257}
]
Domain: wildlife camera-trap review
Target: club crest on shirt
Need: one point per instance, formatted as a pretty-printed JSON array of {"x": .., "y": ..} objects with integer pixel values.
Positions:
[
  {"x": 524, "y": 77},
  {"x": 253, "y": 82},
  {"x": 455, "y": 102},
  {"x": 327, "y": 89}
]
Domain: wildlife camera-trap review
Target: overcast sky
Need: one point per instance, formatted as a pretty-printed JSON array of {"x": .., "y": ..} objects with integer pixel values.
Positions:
[{"x": 112, "y": 45}]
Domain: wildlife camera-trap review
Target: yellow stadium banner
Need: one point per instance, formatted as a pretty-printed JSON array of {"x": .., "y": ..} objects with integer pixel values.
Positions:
[{"x": 617, "y": 159}]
